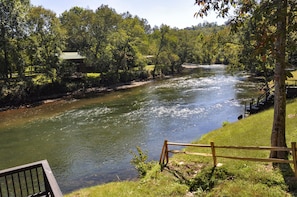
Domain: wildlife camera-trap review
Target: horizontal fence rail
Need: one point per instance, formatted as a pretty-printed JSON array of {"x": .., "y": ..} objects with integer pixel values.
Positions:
[
  {"x": 164, "y": 158},
  {"x": 35, "y": 179}
]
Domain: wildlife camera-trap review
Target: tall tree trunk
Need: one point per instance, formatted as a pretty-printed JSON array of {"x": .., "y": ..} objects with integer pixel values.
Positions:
[{"x": 278, "y": 135}]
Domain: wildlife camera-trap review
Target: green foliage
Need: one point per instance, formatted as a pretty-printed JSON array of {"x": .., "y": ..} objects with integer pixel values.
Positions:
[
  {"x": 139, "y": 161},
  {"x": 109, "y": 78},
  {"x": 225, "y": 123},
  {"x": 209, "y": 178},
  {"x": 13, "y": 30}
]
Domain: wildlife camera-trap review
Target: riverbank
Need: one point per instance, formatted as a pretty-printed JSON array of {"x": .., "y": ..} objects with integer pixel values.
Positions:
[
  {"x": 78, "y": 94},
  {"x": 95, "y": 91},
  {"x": 82, "y": 93},
  {"x": 194, "y": 176}
]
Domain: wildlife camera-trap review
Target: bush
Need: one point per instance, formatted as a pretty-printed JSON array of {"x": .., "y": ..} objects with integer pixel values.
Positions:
[
  {"x": 225, "y": 123},
  {"x": 109, "y": 78},
  {"x": 142, "y": 75},
  {"x": 126, "y": 76},
  {"x": 208, "y": 178},
  {"x": 140, "y": 163}
]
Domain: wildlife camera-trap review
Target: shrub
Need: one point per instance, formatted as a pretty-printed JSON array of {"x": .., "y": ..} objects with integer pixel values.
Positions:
[
  {"x": 140, "y": 163},
  {"x": 225, "y": 123},
  {"x": 109, "y": 78},
  {"x": 208, "y": 178}
]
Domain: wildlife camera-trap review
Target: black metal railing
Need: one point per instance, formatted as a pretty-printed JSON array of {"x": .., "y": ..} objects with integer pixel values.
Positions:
[
  {"x": 35, "y": 179},
  {"x": 263, "y": 101}
]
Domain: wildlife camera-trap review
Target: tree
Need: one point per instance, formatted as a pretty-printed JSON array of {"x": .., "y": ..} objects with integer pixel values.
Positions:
[
  {"x": 76, "y": 22},
  {"x": 278, "y": 135},
  {"x": 292, "y": 38},
  {"x": 275, "y": 13},
  {"x": 185, "y": 46},
  {"x": 256, "y": 41},
  {"x": 12, "y": 31},
  {"x": 45, "y": 40},
  {"x": 127, "y": 43},
  {"x": 88, "y": 32},
  {"x": 165, "y": 44}
]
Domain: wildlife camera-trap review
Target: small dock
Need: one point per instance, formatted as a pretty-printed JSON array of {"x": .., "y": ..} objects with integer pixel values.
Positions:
[
  {"x": 291, "y": 88},
  {"x": 266, "y": 100},
  {"x": 291, "y": 91}
]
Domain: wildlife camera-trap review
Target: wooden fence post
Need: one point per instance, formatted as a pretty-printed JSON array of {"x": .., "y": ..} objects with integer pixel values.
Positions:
[
  {"x": 164, "y": 154},
  {"x": 166, "y": 151},
  {"x": 213, "y": 151},
  {"x": 293, "y": 144}
]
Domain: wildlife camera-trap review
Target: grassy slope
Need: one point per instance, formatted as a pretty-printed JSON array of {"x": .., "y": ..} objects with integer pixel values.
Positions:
[{"x": 234, "y": 178}]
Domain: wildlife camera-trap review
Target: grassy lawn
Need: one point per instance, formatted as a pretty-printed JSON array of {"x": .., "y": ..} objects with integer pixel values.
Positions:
[
  {"x": 292, "y": 81},
  {"x": 93, "y": 75},
  {"x": 188, "y": 175},
  {"x": 149, "y": 67}
]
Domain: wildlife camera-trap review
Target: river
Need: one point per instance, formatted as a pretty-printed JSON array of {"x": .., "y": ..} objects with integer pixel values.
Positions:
[{"x": 89, "y": 141}]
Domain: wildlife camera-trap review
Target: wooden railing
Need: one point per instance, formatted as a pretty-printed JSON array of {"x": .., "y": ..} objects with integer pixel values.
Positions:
[
  {"x": 164, "y": 158},
  {"x": 35, "y": 179}
]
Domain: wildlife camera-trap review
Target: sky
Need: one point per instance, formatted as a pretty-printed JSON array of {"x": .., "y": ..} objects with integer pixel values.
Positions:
[{"x": 175, "y": 13}]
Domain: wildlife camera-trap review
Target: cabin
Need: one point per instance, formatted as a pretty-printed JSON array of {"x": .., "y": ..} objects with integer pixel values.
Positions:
[{"x": 73, "y": 61}]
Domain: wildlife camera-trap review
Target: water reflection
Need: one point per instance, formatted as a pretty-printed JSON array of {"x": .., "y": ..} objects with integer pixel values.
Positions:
[{"x": 89, "y": 141}]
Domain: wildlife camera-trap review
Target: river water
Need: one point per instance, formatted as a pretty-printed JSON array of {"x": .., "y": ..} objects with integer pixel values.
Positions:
[{"x": 89, "y": 141}]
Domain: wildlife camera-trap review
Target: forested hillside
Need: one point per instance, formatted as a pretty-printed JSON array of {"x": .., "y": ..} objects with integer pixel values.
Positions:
[{"x": 117, "y": 48}]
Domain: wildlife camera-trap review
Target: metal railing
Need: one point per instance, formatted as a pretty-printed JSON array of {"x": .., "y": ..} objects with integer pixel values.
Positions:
[
  {"x": 34, "y": 179},
  {"x": 263, "y": 101}
]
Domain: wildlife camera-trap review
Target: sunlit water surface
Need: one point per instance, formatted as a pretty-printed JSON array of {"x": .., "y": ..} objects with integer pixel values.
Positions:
[{"x": 89, "y": 141}]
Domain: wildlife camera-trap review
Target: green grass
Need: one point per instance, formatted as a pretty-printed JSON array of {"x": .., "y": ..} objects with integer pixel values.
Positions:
[
  {"x": 294, "y": 73},
  {"x": 154, "y": 184},
  {"x": 93, "y": 75},
  {"x": 41, "y": 79},
  {"x": 292, "y": 80},
  {"x": 149, "y": 67},
  {"x": 194, "y": 175}
]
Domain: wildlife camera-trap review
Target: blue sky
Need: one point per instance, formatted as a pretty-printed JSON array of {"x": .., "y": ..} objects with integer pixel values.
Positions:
[{"x": 175, "y": 13}]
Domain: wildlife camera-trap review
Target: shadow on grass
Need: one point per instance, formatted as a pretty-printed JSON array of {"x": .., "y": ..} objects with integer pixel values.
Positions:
[
  {"x": 289, "y": 177},
  {"x": 200, "y": 177}
]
